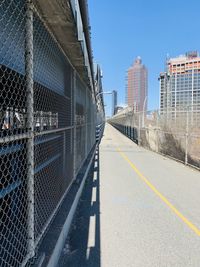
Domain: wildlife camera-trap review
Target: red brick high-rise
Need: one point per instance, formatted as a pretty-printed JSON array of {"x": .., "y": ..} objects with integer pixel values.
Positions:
[{"x": 137, "y": 86}]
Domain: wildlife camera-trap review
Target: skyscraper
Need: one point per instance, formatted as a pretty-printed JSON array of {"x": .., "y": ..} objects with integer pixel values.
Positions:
[
  {"x": 114, "y": 101},
  {"x": 180, "y": 84},
  {"x": 137, "y": 86}
]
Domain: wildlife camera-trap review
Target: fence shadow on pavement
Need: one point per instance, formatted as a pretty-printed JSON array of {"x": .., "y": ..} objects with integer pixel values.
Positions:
[{"x": 82, "y": 248}]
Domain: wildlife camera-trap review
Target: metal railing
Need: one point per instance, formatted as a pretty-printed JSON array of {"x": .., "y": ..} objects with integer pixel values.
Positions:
[
  {"x": 174, "y": 132},
  {"x": 47, "y": 128}
]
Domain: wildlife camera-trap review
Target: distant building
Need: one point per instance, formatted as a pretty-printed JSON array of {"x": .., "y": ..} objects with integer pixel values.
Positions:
[
  {"x": 118, "y": 109},
  {"x": 137, "y": 86},
  {"x": 164, "y": 79},
  {"x": 180, "y": 83},
  {"x": 114, "y": 102}
]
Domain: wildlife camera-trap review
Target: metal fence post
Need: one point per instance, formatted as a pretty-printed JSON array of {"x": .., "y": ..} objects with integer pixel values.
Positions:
[
  {"x": 186, "y": 136},
  {"x": 139, "y": 128},
  {"x": 74, "y": 124},
  {"x": 64, "y": 154},
  {"x": 30, "y": 123},
  {"x": 86, "y": 125}
]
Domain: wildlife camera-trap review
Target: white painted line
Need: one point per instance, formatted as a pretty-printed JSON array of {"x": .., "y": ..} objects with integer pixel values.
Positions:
[
  {"x": 95, "y": 176},
  {"x": 94, "y": 194},
  {"x": 91, "y": 236}
]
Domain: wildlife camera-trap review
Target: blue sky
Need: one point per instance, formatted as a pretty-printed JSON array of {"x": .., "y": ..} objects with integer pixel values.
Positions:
[{"x": 122, "y": 30}]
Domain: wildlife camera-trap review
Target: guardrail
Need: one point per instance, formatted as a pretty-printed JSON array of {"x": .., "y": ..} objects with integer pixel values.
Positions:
[
  {"x": 47, "y": 129},
  {"x": 173, "y": 132}
]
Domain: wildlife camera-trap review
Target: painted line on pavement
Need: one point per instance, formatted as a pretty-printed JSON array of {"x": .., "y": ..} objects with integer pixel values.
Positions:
[{"x": 164, "y": 199}]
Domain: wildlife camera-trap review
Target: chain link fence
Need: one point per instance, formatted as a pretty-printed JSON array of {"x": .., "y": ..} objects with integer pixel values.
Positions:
[
  {"x": 174, "y": 132},
  {"x": 47, "y": 129}
]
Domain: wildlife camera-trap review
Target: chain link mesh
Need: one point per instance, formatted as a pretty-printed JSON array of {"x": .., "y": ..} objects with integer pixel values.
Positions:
[
  {"x": 13, "y": 125},
  {"x": 174, "y": 132},
  {"x": 43, "y": 142},
  {"x": 85, "y": 136}
]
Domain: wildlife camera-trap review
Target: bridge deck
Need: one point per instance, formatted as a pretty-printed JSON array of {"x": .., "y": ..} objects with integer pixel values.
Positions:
[{"x": 144, "y": 210}]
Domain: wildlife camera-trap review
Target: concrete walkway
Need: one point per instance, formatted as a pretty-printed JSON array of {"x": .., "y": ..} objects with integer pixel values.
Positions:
[{"x": 138, "y": 209}]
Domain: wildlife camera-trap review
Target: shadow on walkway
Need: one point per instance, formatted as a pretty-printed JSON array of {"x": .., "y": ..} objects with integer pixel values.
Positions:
[{"x": 82, "y": 248}]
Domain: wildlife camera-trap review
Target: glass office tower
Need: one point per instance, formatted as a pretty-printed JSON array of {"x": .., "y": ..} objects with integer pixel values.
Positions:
[{"x": 180, "y": 84}]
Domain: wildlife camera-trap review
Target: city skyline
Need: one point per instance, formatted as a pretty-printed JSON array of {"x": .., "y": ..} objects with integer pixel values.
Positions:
[{"x": 147, "y": 32}]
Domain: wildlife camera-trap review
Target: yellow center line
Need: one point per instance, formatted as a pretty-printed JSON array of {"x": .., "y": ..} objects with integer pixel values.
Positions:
[{"x": 164, "y": 199}]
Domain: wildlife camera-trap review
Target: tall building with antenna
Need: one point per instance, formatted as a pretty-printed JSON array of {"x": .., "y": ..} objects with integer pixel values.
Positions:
[{"x": 137, "y": 86}]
